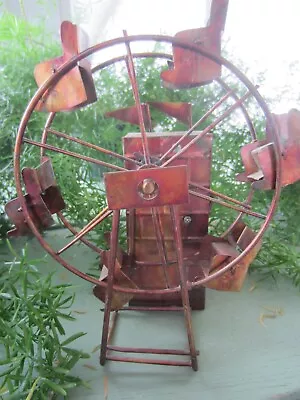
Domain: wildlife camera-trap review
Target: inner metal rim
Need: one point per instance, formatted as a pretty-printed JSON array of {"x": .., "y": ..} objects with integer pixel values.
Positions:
[{"x": 167, "y": 56}]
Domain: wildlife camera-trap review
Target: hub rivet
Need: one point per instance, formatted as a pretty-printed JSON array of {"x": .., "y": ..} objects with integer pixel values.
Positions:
[
  {"x": 187, "y": 219},
  {"x": 148, "y": 186},
  {"x": 148, "y": 189}
]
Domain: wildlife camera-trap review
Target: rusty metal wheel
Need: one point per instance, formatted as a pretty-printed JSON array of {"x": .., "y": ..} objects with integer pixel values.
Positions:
[{"x": 170, "y": 156}]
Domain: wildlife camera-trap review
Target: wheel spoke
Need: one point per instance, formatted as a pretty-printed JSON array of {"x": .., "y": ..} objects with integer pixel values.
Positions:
[
  {"x": 133, "y": 81},
  {"x": 101, "y": 213},
  {"x": 220, "y": 195},
  {"x": 90, "y": 226},
  {"x": 199, "y": 122},
  {"x": 92, "y": 146},
  {"x": 75, "y": 155},
  {"x": 75, "y": 232},
  {"x": 208, "y": 129},
  {"x": 223, "y": 203},
  {"x": 242, "y": 107}
]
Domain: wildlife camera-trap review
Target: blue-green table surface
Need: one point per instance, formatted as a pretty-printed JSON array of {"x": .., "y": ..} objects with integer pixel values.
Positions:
[{"x": 240, "y": 357}]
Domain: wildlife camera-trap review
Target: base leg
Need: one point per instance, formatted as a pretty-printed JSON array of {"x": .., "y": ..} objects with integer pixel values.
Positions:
[
  {"x": 184, "y": 289},
  {"x": 110, "y": 281}
]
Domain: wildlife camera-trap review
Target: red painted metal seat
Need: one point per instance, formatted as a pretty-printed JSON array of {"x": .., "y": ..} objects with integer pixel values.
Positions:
[
  {"x": 76, "y": 88},
  {"x": 259, "y": 157},
  {"x": 190, "y": 69},
  {"x": 43, "y": 199}
]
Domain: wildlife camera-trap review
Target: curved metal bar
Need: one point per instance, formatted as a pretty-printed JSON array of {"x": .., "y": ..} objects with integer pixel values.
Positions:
[
  {"x": 134, "y": 55},
  {"x": 59, "y": 214},
  {"x": 188, "y": 46},
  {"x": 45, "y": 132}
]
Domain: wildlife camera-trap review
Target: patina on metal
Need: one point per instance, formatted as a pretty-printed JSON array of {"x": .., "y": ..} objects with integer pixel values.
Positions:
[
  {"x": 43, "y": 199},
  {"x": 76, "y": 88},
  {"x": 162, "y": 181}
]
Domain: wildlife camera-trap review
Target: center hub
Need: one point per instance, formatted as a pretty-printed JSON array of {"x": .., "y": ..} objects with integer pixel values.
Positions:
[{"x": 148, "y": 189}]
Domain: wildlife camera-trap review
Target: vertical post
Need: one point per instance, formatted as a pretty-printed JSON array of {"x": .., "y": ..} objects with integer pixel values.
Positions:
[
  {"x": 110, "y": 281},
  {"x": 131, "y": 234},
  {"x": 183, "y": 285},
  {"x": 160, "y": 243}
]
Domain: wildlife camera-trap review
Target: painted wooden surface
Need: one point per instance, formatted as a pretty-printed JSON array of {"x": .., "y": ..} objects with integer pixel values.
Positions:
[{"x": 239, "y": 357}]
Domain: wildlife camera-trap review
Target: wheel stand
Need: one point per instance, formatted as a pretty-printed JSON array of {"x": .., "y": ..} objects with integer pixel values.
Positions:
[{"x": 106, "y": 347}]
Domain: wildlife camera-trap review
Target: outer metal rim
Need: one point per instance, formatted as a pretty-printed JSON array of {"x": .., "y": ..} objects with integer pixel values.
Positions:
[{"x": 67, "y": 67}]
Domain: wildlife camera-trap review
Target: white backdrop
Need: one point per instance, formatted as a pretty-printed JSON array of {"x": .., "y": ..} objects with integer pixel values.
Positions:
[{"x": 262, "y": 34}]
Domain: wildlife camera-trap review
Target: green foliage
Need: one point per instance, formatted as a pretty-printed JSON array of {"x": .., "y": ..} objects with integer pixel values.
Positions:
[
  {"x": 280, "y": 253},
  {"x": 81, "y": 183},
  {"x": 18, "y": 56},
  {"x": 279, "y": 258},
  {"x": 36, "y": 359}
]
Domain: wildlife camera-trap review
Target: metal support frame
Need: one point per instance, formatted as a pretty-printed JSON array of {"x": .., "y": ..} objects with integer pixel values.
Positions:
[
  {"x": 185, "y": 283},
  {"x": 107, "y": 333}
]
